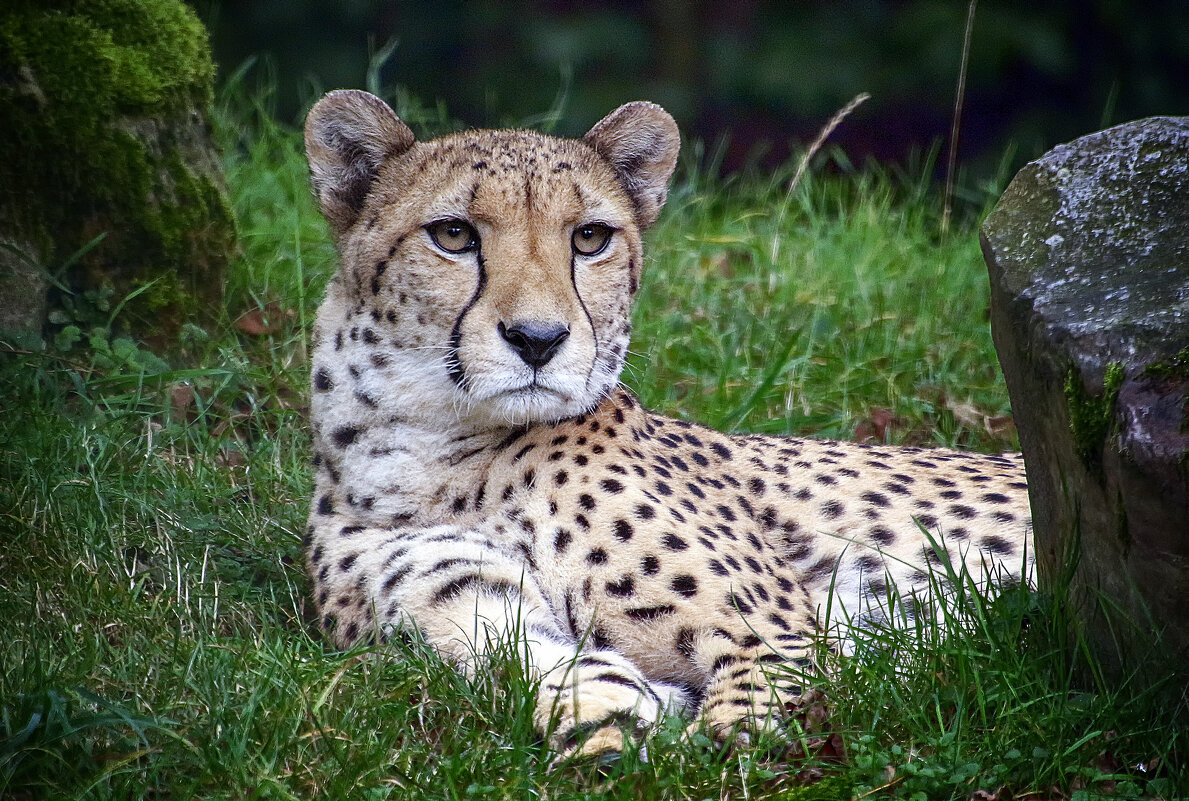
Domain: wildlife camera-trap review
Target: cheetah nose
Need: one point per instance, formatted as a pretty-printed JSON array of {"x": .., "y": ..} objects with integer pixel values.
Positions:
[{"x": 535, "y": 343}]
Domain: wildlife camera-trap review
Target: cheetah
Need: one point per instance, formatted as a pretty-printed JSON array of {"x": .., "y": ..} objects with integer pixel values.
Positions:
[{"x": 482, "y": 477}]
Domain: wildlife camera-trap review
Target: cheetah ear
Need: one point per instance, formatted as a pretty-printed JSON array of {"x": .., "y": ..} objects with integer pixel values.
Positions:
[
  {"x": 641, "y": 142},
  {"x": 349, "y": 135}
]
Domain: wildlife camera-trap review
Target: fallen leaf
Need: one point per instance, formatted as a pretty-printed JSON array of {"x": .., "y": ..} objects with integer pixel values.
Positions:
[
  {"x": 231, "y": 458},
  {"x": 875, "y": 428},
  {"x": 181, "y": 396},
  {"x": 1106, "y": 762},
  {"x": 987, "y": 795},
  {"x": 252, "y": 323},
  {"x": 268, "y": 320},
  {"x": 972, "y": 417},
  {"x": 833, "y": 749},
  {"x": 810, "y": 776},
  {"x": 968, "y": 415},
  {"x": 721, "y": 264},
  {"x": 232, "y": 424}
]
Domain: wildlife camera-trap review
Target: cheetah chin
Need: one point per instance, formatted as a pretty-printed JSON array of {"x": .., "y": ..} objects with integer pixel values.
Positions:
[
  {"x": 530, "y": 403},
  {"x": 482, "y": 476}
]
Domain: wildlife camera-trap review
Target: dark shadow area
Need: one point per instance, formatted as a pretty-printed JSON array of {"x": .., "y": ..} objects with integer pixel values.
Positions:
[{"x": 763, "y": 72}]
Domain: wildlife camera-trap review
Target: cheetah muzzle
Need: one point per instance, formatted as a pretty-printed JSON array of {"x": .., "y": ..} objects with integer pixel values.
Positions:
[{"x": 481, "y": 474}]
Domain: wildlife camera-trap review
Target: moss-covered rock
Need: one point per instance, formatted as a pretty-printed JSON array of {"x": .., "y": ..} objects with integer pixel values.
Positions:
[
  {"x": 1088, "y": 251},
  {"x": 104, "y": 106}
]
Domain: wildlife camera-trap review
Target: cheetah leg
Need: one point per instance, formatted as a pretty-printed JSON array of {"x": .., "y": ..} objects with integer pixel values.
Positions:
[
  {"x": 750, "y": 689},
  {"x": 465, "y": 595}
]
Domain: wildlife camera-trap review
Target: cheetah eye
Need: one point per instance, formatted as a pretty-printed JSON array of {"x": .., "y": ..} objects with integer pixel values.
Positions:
[
  {"x": 591, "y": 239},
  {"x": 453, "y": 236}
]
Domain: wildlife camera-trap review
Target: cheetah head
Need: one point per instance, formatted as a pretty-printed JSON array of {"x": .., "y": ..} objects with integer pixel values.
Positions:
[{"x": 489, "y": 273}]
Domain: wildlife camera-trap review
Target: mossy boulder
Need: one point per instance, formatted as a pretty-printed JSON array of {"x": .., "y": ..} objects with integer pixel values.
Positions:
[
  {"x": 105, "y": 107},
  {"x": 1088, "y": 251}
]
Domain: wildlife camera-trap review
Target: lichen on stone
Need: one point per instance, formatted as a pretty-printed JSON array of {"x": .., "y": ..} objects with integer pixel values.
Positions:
[
  {"x": 1175, "y": 368},
  {"x": 1091, "y": 415}
]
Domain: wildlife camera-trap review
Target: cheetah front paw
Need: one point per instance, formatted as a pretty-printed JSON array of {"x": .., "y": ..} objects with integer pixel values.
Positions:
[
  {"x": 736, "y": 719},
  {"x": 591, "y": 705}
]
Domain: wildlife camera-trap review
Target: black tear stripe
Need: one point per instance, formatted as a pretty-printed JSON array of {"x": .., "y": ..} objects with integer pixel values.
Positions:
[
  {"x": 454, "y": 368},
  {"x": 594, "y": 335}
]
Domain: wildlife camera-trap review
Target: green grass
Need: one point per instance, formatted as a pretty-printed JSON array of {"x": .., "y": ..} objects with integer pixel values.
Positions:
[
  {"x": 866, "y": 307},
  {"x": 157, "y": 642}
]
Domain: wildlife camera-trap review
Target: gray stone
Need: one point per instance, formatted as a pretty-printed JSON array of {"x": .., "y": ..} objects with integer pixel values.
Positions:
[
  {"x": 1088, "y": 251},
  {"x": 23, "y": 286}
]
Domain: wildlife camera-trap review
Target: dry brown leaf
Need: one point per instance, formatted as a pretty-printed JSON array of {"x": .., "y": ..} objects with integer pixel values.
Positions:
[
  {"x": 229, "y": 424},
  {"x": 972, "y": 417},
  {"x": 1106, "y": 762},
  {"x": 810, "y": 776},
  {"x": 875, "y": 428},
  {"x": 967, "y": 414},
  {"x": 252, "y": 323},
  {"x": 989, "y": 795},
  {"x": 181, "y": 396},
  {"x": 833, "y": 749},
  {"x": 231, "y": 458},
  {"x": 819, "y": 744},
  {"x": 721, "y": 263},
  {"x": 258, "y": 322}
]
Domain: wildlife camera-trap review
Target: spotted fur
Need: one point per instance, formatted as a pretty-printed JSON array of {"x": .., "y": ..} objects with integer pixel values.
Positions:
[{"x": 481, "y": 474}]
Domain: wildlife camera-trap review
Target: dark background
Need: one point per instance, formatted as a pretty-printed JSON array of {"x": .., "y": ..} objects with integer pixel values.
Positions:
[{"x": 757, "y": 75}]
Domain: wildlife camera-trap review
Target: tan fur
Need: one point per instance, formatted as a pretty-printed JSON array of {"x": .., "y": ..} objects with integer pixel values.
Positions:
[{"x": 473, "y": 488}]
